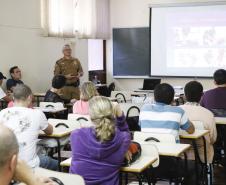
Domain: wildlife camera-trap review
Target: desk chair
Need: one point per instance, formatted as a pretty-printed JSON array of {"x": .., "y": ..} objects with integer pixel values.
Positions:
[
  {"x": 149, "y": 137},
  {"x": 132, "y": 112},
  {"x": 83, "y": 120},
  {"x": 154, "y": 137},
  {"x": 55, "y": 141},
  {"x": 122, "y": 96},
  {"x": 57, "y": 105},
  {"x": 61, "y": 114},
  {"x": 65, "y": 178}
]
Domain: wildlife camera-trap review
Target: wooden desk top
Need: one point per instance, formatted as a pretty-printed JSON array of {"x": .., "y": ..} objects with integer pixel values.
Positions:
[
  {"x": 196, "y": 135},
  {"x": 138, "y": 166},
  {"x": 171, "y": 150},
  {"x": 66, "y": 163},
  {"x": 144, "y": 91},
  {"x": 139, "y": 94},
  {"x": 220, "y": 120},
  {"x": 39, "y": 94},
  {"x": 59, "y": 133}
]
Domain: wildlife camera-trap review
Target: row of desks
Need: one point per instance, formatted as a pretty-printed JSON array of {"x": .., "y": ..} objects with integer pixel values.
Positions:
[{"x": 170, "y": 150}]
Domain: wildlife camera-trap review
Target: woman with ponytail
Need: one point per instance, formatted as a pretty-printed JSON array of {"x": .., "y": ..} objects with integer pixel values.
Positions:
[{"x": 98, "y": 152}]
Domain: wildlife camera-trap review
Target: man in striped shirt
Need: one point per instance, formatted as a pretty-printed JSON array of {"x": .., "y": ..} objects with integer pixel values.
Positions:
[{"x": 161, "y": 117}]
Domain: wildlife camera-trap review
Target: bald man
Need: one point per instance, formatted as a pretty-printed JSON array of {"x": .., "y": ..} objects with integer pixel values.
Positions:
[
  {"x": 72, "y": 70},
  {"x": 10, "y": 167}
]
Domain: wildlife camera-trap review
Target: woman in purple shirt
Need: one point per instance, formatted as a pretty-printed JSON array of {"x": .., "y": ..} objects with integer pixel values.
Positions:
[{"x": 98, "y": 152}]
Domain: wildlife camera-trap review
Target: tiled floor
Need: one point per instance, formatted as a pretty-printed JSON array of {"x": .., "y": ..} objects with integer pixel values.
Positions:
[{"x": 219, "y": 178}]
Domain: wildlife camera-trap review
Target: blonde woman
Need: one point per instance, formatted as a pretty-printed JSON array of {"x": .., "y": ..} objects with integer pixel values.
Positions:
[
  {"x": 88, "y": 90},
  {"x": 98, "y": 152}
]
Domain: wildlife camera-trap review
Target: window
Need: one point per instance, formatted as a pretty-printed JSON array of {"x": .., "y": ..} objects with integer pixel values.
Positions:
[
  {"x": 59, "y": 17},
  {"x": 95, "y": 55},
  {"x": 83, "y": 18}
]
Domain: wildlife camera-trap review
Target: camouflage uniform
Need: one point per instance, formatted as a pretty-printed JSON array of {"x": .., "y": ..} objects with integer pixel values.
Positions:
[{"x": 65, "y": 67}]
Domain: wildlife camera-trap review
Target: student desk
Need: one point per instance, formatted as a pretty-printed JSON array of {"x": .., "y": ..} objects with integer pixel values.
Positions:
[
  {"x": 164, "y": 149},
  {"x": 221, "y": 123},
  {"x": 60, "y": 132},
  {"x": 220, "y": 120},
  {"x": 137, "y": 167},
  {"x": 66, "y": 178},
  {"x": 139, "y": 94},
  {"x": 52, "y": 112},
  {"x": 171, "y": 149},
  {"x": 197, "y": 135},
  {"x": 37, "y": 96}
]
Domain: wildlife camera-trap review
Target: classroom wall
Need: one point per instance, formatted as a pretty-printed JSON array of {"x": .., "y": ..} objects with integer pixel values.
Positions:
[
  {"x": 21, "y": 44},
  {"x": 135, "y": 13}
]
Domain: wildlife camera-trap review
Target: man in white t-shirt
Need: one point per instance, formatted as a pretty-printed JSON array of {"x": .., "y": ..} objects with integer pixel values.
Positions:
[
  {"x": 2, "y": 93},
  {"x": 26, "y": 123}
]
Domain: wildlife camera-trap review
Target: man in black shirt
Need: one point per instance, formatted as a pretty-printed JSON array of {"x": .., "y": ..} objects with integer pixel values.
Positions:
[
  {"x": 53, "y": 95},
  {"x": 15, "y": 74}
]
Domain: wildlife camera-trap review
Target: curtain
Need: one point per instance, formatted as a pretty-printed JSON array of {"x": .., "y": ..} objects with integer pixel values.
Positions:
[
  {"x": 94, "y": 19},
  {"x": 80, "y": 18},
  {"x": 58, "y": 17}
]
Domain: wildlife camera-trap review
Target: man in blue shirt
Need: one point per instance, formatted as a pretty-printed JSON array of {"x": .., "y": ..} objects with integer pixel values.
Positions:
[
  {"x": 15, "y": 74},
  {"x": 161, "y": 117}
]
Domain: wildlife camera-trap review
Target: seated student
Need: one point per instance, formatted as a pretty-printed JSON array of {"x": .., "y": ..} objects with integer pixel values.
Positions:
[
  {"x": 193, "y": 93},
  {"x": 15, "y": 74},
  {"x": 10, "y": 167},
  {"x": 87, "y": 91},
  {"x": 212, "y": 99},
  {"x": 53, "y": 95},
  {"x": 98, "y": 152},
  {"x": 161, "y": 117},
  {"x": 26, "y": 123},
  {"x": 2, "y": 93}
]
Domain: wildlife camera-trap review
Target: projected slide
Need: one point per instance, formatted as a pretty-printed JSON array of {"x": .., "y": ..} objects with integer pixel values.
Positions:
[
  {"x": 196, "y": 45},
  {"x": 190, "y": 41}
]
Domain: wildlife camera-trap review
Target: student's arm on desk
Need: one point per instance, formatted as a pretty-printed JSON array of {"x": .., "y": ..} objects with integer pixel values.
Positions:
[
  {"x": 48, "y": 130},
  {"x": 191, "y": 128}
]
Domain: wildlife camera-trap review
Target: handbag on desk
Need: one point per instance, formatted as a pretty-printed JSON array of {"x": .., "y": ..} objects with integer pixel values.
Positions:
[{"x": 135, "y": 150}]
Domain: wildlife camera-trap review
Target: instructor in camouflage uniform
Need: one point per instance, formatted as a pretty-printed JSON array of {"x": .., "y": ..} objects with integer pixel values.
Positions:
[{"x": 71, "y": 68}]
